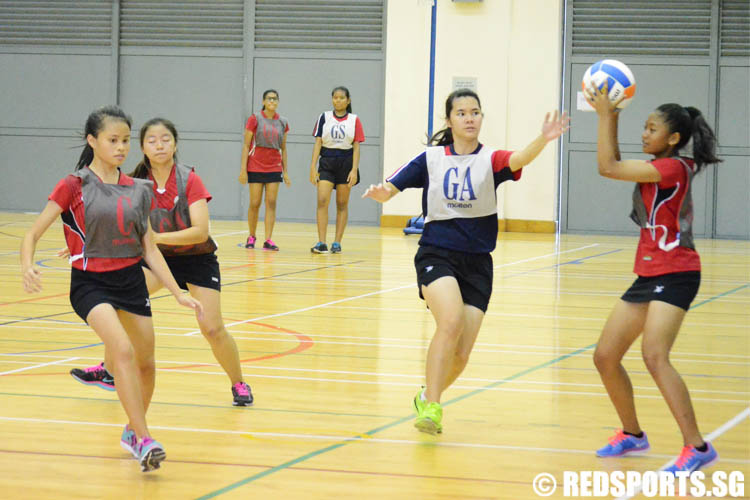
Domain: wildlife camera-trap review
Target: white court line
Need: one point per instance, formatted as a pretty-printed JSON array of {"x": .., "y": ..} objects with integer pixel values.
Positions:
[
  {"x": 38, "y": 366},
  {"x": 718, "y": 432},
  {"x": 363, "y": 438},
  {"x": 195, "y": 332}
]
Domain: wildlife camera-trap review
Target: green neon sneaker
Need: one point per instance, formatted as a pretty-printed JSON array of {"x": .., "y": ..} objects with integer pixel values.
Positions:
[
  {"x": 419, "y": 403},
  {"x": 429, "y": 418}
]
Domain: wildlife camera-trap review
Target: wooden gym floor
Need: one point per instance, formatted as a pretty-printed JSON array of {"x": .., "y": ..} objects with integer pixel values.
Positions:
[{"x": 333, "y": 347}]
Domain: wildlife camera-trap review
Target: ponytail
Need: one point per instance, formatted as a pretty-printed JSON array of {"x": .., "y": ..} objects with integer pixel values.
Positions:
[
  {"x": 87, "y": 156},
  {"x": 690, "y": 123},
  {"x": 704, "y": 140}
]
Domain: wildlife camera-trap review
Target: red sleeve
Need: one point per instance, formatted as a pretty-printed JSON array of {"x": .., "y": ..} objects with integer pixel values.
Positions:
[
  {"x": 359, "y": 132},
  {"x": 501, "y": 160},
  {"x": 252, "y": 124},
  {"x": 672, "y": 171},
  {"x": 63, "y": 192},
  {"x": 195, "y": 190}
]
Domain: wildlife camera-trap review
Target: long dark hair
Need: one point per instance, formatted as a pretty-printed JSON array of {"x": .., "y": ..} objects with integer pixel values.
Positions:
[
  {"x": 141, "y": 170},
  {"x": 94, "y": 125},
  {"x": 345, "y": 91},
  {"x": 690, "y": 123},
  {"x": 266, "y": 93},
  {"x": 444, "y": 137}
]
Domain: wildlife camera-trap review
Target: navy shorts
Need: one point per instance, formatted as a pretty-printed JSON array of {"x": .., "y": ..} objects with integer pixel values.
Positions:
[
  {"x": 199, "y": 270},
  {"x": 336, "y": 169},
  {"x": 473, "y": 272},
  {"x": 264, "y": 177},
  {"x": 123, "y": 289},
  {"x": 678, "y": 289}
]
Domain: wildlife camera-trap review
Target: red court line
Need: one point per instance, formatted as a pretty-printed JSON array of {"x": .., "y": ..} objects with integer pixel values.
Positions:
[
  {"x": 258, "y": 466},
  {"x": 34, "y": 299}
]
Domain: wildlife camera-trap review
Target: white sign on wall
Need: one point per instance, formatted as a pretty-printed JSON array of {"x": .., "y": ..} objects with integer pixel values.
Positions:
[{"x": 465, "y": 82}]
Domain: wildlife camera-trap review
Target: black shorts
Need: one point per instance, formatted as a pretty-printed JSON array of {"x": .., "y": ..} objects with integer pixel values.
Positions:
[
  {"x": 199, "y": 270},
  {"x": 472, "y": 271},
  {"x": 678, "y": 289},
  {"x": 124, "y": 289},
  {"x": 264, "y": 177},
  {"x": 336, "y": 169}
]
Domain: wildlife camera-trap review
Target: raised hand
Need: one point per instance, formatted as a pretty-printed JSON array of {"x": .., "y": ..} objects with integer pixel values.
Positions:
[
  {"x": 554, "y": 127},
  {"x": 599, "y": 99}
]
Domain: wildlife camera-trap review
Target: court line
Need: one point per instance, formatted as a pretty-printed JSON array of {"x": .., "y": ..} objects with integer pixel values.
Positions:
[
  {"x": 332, "y": 447},
  {"x": 715, "y": 434},
  {"x": 377, "y": 292},
  {"x": 353, "y": 437},
  {"x": 37, "y": 366}
]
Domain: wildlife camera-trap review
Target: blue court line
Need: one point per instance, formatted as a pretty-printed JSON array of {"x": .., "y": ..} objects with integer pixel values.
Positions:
[
  {"x": 372, "y": 432},
  {"x": 52, "y": 350}
]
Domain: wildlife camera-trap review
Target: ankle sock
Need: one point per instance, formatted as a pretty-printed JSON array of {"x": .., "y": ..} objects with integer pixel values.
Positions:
[
  {"x": 702, "y": 449},
  {"x": 639, "y": 435}
]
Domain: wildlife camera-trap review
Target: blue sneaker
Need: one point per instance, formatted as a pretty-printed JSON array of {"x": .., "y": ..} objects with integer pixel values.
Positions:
[
  {"x": 150, "y": 454},
  {"x": 336, "y": 247},
  {"x": 128, "y": 441},
  {"x": 690, "y": 459},
  {"x": 319, "y": 247},
  {"x": 624, "y": 444}
]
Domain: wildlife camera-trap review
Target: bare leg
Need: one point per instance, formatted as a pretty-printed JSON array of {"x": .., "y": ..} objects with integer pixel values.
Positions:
[
  {"x": 105, "y": 322},
  {"x": 256, "y": 196},
  {"x": 212, "y": 327},
  {"x": 342, "y": 210},
  {"x": 624, "y": 325},
  {"x": 473, "y": 317},
  {"x": 446, "y": 305},
  {"x": 140, "y": 330},
  {"x": 272, "y": 192},
  {"x": 324, "y": 199},
  {"x": 662, "y": 325}
]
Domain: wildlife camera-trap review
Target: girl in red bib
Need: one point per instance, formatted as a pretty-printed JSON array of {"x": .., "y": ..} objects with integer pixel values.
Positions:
[
  {"x": 667, "y": 265},
  {"x": 264, "y": 165},
  {"x": 105, "y": 218},
  {"x": 180, "y": 221}
]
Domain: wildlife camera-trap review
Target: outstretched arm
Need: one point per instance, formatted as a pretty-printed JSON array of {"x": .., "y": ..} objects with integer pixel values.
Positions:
[
  {"x": 32, "y": 277},
  {"x": 381, "y": 192},
  {"x": 551, "y": 130},
  {"x": 607, "y": 148}
]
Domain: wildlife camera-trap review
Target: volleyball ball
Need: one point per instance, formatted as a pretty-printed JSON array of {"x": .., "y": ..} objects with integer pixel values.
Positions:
[{"x": 617, "y": 75}]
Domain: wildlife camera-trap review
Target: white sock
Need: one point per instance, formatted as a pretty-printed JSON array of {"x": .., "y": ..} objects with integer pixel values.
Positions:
[{"x": 422, "y": 396}]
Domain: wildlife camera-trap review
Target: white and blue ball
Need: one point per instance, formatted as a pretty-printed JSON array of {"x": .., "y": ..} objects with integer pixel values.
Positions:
[{"x": 617, "y": 75}]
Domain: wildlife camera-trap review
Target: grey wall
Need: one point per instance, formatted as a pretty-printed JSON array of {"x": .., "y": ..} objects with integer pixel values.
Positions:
[
  {"x": 698, "y": 65},
  {"x": 207, "y": 77}
]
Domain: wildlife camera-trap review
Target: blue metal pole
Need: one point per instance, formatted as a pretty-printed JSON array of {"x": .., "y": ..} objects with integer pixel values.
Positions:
[{"x": 430, "y": 104}]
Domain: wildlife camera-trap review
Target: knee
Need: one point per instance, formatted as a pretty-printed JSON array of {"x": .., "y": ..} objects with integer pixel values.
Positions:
[
  {"x": 213, "y": 333},
  {"x": 655, "y": 358},
  {"x": 461, "y": 358},
  {"x": 323, "y": 203},
  {"x": 605, "y": 360},
  {"x": 342, "y": 206},
  {"x": 451, "y": 327},
  {"x": 122, "y": 354},
  {"x": 271, "y": 203}
]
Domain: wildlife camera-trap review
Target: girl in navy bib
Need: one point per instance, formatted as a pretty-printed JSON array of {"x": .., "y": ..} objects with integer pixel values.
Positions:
[{"x": 458, "y": 177}]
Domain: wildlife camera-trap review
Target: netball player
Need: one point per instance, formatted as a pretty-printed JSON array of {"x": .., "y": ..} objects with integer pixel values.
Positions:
[
  {"x": 105, "y": 219},
  {"x": 667, "y": 265},
  {"x": 458, "y": 177},
  {"x": 264, "y": 165},
  {"x": 335, "y": 164},
  {"x": 181, "y": 233}
]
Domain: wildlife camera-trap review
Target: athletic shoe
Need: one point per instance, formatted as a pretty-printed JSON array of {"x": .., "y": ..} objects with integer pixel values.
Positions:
[
  {"x": 95, "y": 375},
  {"x": 150, "y": 454},
  {"x": 624, "y": 444},
  {"x": 690, "y": 459},
  {"x": 250, "y": 242},
  {"x": 270, "y": 245},
  {"x": 243, "y": 396},
  {"x": 419, "y": 403},
  {"x": 429, "y": 418},
  {"x": 128, "y": 441},
  {"x": 319, "y": 247},
  {"x": 336, "y": 247}
]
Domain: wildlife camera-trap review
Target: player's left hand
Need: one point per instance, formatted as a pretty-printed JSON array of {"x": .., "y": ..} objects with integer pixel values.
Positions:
[{"x": 554, "y": 127}]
